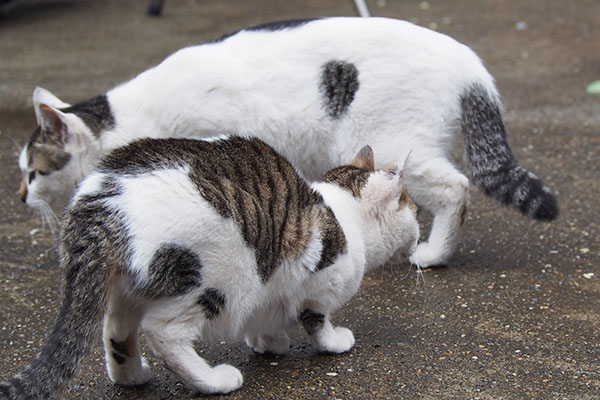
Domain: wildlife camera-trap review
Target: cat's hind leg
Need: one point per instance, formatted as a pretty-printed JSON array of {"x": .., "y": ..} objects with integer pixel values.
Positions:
[
  {"x": 326, "y": 337},
  {"x": 124, "y": 361},
  {"x": 277, "y": 344},
  {"x": 439, "y": 187},
  {"x": 171, "y": 340}
]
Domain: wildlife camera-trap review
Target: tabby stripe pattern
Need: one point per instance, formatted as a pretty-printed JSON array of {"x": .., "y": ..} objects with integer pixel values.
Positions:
[
  {"x": 213, "y": 302},
  {"x": 491, "y": 163},
  {"x": 275, "y": 218}
]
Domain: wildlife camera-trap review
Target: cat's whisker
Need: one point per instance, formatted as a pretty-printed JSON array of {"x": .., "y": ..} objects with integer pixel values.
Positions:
[
  {"x": 16, "y": 146},
  {"x": 420, "y": 275},
  {"x": 47, "y": 215},
  {"x": 407, "y": 272},
  {"x": 383, "y": 270},
  {"x": 394, "y": 269}
]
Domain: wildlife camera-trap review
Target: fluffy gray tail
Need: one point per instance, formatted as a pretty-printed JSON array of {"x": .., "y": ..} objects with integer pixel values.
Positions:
[
  {"x": 83, "y": 257},
  {"x": 491, "y": 163}
]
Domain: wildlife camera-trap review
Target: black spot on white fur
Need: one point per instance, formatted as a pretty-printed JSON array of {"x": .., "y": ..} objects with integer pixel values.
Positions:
[
  {"x": 311, "y": 321},
  {"x": 269, "y": 27},
  {"x": 174, "y": 270},
  {"x": 213, "y": 302},
  {"x": 280, "y": 25},
  {"x": 119, "y": 358},
  {"x": 339, "y": 84},
  {"x": 492, "y": 165},
  {"x": 119, "y": 347},
  {"x": 95, "y": 112}
]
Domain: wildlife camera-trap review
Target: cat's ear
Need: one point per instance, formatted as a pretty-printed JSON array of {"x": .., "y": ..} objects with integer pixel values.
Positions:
[
  {"x": 365, "y": 159},
  {"x": 54, "y": 126},
  {"x": 41, "y": 97},
  {"x": 384, "y": 185},
  {"x": 394, "y": 169},
  {"x": 397, "y": 168}
]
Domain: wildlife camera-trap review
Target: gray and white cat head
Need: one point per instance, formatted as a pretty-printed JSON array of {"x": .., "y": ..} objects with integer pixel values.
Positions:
[{"x": 57, "y": 156}]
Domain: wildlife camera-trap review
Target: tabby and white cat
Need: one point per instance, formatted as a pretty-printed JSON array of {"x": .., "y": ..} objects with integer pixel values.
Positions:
[
  {"x": 216, "y": 239},
  {"x": 315, "y": 90}
]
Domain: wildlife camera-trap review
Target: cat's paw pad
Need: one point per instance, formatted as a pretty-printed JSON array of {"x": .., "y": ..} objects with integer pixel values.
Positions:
[
  {"x": 222, "y": 379},
  {"x": 127, "y": 375},
  {"x": 264, "y": 344},
  {"x": 339, "y": 340},
  {"x": 426, "y": 256}
]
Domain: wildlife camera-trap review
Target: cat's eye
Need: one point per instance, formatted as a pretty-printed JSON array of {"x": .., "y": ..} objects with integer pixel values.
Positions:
[{"x": 31, "y": 176}]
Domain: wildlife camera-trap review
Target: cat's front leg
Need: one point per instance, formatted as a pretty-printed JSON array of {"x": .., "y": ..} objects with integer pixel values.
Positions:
[
  {"x": 269, "y": 344},
  {"x": 326, "y": 337}
]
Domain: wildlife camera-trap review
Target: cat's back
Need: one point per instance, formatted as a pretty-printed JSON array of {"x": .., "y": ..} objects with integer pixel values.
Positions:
[
  {"x": 235, "y": 163},
  {"x": 167, "y": 188},
  {"x": 303, "y": 42},
  {"x": 350, "y": 37}
]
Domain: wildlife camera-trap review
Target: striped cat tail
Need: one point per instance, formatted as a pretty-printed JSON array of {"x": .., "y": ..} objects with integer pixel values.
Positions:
[
  {"x": 491, "y": 163},
  {"x": 83, "y": 258}
]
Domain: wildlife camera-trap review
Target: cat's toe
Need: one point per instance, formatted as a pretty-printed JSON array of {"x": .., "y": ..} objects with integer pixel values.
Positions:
[
  {"x": 341, "y": 341},
  {"x": 426, "y": 256},
  {"x": 279, "y": 347},
  {"x": 131, "y": 376},
  {"x": 257, "y": 344},
  {"x": 224, "y": 379},
  {"x": 269, "y": 345},
  {"x": 145, "y": 373},
  {"x": 253, "y": 343}
]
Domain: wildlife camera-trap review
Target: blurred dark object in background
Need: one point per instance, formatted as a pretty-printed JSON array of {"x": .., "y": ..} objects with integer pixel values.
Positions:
[{"x": 154, "y": 8}]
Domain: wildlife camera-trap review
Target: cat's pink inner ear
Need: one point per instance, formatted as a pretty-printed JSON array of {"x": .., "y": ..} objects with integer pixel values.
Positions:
[
  {"x": 365, "y": 159},
  {"x": 53, "y": 125}
]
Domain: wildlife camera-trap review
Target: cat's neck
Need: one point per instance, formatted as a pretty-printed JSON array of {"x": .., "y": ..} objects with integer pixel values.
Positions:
[{"x": 154, "y": 102}]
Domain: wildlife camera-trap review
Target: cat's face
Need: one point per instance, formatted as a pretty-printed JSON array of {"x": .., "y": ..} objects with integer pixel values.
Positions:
[
  {"x": 49, "y": 163},
  {"x": 388, "y": 216},
  {"x": 46, "y": 176}
]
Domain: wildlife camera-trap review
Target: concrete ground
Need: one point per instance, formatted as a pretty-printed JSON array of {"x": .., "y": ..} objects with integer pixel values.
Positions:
[{"x": 515, "y": 316}]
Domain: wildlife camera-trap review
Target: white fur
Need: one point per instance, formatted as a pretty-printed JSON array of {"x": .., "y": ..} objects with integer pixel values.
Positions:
[
  {"x": 267, "y": 84},
  {"x": 164, "y": 207}
]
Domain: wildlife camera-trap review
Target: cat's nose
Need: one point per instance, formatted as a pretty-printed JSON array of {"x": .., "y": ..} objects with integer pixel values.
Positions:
[{"x": 23, "y": 192}]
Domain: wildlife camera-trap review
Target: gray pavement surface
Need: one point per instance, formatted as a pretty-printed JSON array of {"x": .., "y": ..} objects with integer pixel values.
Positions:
[{"x": 515, "y": 315}]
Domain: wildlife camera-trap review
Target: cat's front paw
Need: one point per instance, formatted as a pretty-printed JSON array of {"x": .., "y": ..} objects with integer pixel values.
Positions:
[
  {"x": 221, "y": 379},
  {"x": 264, "y": 344},
  {"x": 426, "y": 256},
  {"x": 338, "y": 340},
  {"x": 127, "y": 375}
]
